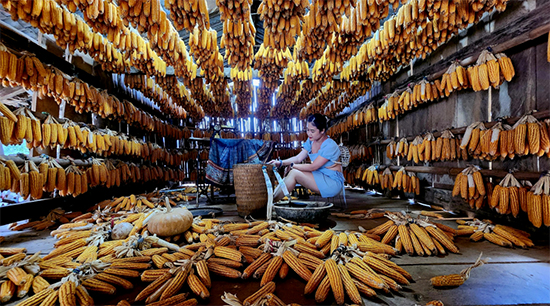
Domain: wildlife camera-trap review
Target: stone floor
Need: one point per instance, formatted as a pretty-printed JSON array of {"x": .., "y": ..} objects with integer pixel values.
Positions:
[{"x": 512, "y": 276}]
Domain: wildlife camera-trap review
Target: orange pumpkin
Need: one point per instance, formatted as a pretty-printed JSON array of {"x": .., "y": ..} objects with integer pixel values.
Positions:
[{"x": 172, "y": 222}]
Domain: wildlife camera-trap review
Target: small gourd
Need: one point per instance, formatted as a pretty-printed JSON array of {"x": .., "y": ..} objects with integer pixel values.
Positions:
[
  {"x": 172, "y": 222},
  {"x": 121, "y": 231}
]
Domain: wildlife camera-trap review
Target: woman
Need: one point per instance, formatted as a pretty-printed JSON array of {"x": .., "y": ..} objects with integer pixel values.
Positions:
[{"x": 324, "y": 174}]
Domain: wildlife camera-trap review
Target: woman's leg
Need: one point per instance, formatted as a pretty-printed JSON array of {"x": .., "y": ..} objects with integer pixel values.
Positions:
[{"x": 294, "y": 177}]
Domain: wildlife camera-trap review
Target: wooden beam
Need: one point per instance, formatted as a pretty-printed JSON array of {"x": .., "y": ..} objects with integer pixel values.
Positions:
[{"x": 11, "y": 93}]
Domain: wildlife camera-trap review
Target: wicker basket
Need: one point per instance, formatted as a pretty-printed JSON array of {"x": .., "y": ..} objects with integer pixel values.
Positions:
[{"x": 250, "y": 188}]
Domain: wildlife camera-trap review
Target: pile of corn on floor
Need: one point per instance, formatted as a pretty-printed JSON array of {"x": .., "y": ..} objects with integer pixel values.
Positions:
[{"x": 512, "y": 276}]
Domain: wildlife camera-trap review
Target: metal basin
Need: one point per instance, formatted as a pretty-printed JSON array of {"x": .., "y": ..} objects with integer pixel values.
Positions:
[{"x": 303, "y": 211}]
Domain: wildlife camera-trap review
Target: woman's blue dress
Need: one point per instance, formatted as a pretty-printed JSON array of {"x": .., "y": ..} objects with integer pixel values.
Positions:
[{"x": 329, "y": 182}]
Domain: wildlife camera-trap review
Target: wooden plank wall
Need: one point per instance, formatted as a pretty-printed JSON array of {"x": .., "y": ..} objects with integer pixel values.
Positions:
[{"x": 528, "y": 91}]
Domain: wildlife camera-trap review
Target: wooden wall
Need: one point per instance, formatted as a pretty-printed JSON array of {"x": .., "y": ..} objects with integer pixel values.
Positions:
[{"x": 529, "y": 90}]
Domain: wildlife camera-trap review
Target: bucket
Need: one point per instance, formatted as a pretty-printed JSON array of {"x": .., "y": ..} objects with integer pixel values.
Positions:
[{"x": 250, "y": 188}]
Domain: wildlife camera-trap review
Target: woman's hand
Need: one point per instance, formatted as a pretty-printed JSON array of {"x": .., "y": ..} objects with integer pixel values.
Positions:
[{"x": 276, "y": 163}]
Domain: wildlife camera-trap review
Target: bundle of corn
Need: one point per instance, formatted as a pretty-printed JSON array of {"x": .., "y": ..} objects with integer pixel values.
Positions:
[
  {"x": 387, "y": 179},
  {"x": 15, "y": 133},
  {"x": 405, "y": 102},
  {"x": 402, "y": 148},
  {"x": 53, "y": 218},
  {"x": 271, "y": 62},
  {"x": 30, "y": 77},
  {"x": 388, "y": 110},
  {"x": 133, "y": 203},
  {"x": 408, "y": 182},
  {"x": 242, "y": 89},
  {"x": 530, "y": 136},
  {"x": 77, "y": 182},
  {"x": 372, "y": 213},
  {"x": 238, "y": 34},
  {"x": 506, "y": 196},
  {"x": 7, "y": 122},
  {"x": 427, "y": 148},
  {"x": 455, "y": 280},
  {"x": 370, "y": 175},
  {"x": 361, "y": 153},
  {"x": 470, "y": 186},
  {"x": 502, "y": 235},
  {"x": 455, "y": 78},
  {"x": 414, "y": 150},
  {"x": 544, "y": 137},
  {"x": 446, "y": 146},
  {"x": 415, "y": 236},
  {"x": 506, "y": 67},
  {"x": 74, "y": 284},
  {"x": 471, "y": 139},
  {"x": 189, "y": 15},
  {"x": 486, "y": 72},
  {"x": 264, "y": 296},
  {"x": 282, "y": 23},
  {"x": 18, "y": 273},
  {"x": 359, "y": 272},
  {"x": 69, "y": 31},
  {"x": 31, "y": 181},
  {"x": 391, "y": 150},
  {"x": 538, "y": 202},
  {"x": 494, "y": 142},
  {"x": 167, "y": 282}
]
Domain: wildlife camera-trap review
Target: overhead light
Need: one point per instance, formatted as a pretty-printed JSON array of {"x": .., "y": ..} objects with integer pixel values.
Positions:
[{"x": 256, "y": 82}]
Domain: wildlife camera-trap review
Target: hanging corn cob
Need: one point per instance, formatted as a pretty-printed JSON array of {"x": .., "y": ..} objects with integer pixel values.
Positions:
[
  {"x": 370, "y": 176},
  {"x": 505, "y": 197},
  {"x": 538, "y": 202},
  {"x": 448, "y": 146},
  {"x": 387, "y": 179},
  {"x": 530, "y": 136},
  {"x": 470, "y": 186},
  {"x": 455, "y": 280}
]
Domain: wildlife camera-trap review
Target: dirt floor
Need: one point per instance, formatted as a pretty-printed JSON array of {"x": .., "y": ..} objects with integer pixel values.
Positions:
[{"x": 512, "y": 276}]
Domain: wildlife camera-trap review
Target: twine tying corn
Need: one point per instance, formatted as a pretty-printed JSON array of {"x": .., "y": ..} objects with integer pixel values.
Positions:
[{"x": 455, "y": 280}]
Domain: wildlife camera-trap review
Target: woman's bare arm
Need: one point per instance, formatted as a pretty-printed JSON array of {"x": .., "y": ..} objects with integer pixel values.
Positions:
[{"x": 316, "y": 164}]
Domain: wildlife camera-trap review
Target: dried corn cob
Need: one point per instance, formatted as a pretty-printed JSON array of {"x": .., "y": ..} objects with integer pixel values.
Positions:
[
  {"x": 268, "y": 288},
  {"x": 39, "y": 284},
  {"x": 295, "y": 264},
  {"x": 83, "y": 297},
  {"x": 67, "y": 294},
  {"x": 17, "y": 275},
  {"x": 455, "y": 280},
  {"x": 379, "y": 266},
  {"x": 98, "y": 286},
  {"x": 223, "y": 270},
  {"x": 7, "y": 291},
  {"x": 256, "y": 264},
  {"x": 197, "y": 286},
  {"x": 37, "y": 298},
  {"x": 323, "y": 290},
  {"x": 335, "y": 280}
]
